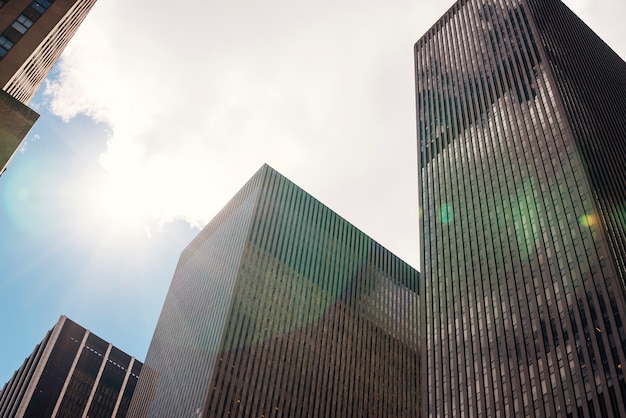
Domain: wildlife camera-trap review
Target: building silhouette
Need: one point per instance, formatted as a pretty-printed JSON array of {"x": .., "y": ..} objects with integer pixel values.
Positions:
[
  {"x": 280, "y": 307},
  {"x": 71, "y": 373},
  {"x": 521, "y": 122},
  {"x": 33, "y": 34}
]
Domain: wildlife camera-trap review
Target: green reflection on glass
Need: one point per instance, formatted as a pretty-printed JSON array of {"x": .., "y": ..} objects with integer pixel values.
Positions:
[
  {"x": 526, "y": 219},
  {"x": 621, "y": 215},
  {"x": 446, "y": 213}
]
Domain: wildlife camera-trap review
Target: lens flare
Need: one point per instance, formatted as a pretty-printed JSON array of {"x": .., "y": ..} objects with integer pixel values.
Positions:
[
  {"x": 446, "y": 213},
  {"x": 587, "y": 220}
]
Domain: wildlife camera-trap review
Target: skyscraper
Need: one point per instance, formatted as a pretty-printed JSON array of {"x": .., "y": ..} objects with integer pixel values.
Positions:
[
  {"x": 521, "y": 123},
  {"x": 280, "y": 307},
  {"x": 71, "y": 373},
  {"x": 33, "y": 35}
]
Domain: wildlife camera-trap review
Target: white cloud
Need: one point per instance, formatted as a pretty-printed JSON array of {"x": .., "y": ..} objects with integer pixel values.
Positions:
[{"x": 199, "y": 95}]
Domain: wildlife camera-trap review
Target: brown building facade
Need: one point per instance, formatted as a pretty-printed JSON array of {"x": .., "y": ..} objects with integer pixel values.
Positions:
[{"x": 33, "y": 35}]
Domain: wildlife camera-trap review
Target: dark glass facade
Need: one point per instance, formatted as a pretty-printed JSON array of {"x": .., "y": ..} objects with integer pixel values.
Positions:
[
  {"x": 280, "y": 307},
  {"x": 71, "y": 373},
  {"x": 521, "y": 124}
]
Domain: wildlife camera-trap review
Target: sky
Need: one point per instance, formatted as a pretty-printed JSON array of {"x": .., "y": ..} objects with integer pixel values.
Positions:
[{"x": 155, "y": 117}]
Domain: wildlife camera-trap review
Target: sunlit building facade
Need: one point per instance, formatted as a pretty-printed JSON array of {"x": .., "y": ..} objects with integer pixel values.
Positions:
[
  {"x": 280, "y": 307},
  {"x": 71, "y": 373},
  {"x": 521, "y": 117}
]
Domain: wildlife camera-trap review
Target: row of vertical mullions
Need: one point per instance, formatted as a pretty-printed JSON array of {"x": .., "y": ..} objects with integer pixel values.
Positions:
[
  {"x": 610, "y": 210},
  {"x": 225, "y": 344},
  {"x": 327, "y": 273},
  {"x": 320, "y": 227},
  {"x": 541, "y": 178},
  {"x": 329, "y": 229},
  {"x": 475, "y": 288},
  {"x": 600, "y": 294},
  {"x": 563, "y": 318},
  {"x": 550, "y": 289},
  {"x": 276, "y": 399},
  {"x": 341, "y": 262},
  {"x": 436, "y": 320},
  {"x": 222, "y": 340},
  {"x": 594, "y": 83},
  {"x": 275, "y": 192},
  {"x": 298, "y": 254},
  {"x": 521, "y": 75},
  {"x": 464, "y": 284},
  {"x": 511, "y": 76},
  {"x": 481, "y": 290},
  {"x": 474, "y": 292},
  {"x": 576, "y": 115},
  {"x": 287, "y": 249},
  {"x": 471, "y": 290},
  {"x": 23, "y": 376},
  {"x": 504, "y": 296},
  {"x": 530, "y": 198},
  {"x": 452, "y": 350},
  {"x": 428, "y": 245}
]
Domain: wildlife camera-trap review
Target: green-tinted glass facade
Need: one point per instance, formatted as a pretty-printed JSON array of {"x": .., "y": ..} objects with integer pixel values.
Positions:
[
  {"x": 282, "y": 308},
  {"x": 522, "y": 136}
]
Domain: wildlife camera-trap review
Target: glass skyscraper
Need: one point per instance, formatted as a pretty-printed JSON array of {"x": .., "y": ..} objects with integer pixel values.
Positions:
[
  {"x": 280, "y": 307},
  {"x": 521, "y": 117}
]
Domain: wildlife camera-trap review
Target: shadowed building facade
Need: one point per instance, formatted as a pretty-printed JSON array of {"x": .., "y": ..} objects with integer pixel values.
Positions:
[
  {"x": 33, "y": 34},
  {"x": 280, "y": 307},
  {"x": 71, "y": 373},
  {"x": 521, "y": 118},
  {"x": 16, "y": 119}
]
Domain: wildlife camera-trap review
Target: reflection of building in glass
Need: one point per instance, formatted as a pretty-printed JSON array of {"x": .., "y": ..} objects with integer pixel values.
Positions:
[
  {"x": 71, "y": 373},
  {"x": 280, "y": 307},
  {"x": 522, "y": 137},
  {"x": 33, "y": 35}
]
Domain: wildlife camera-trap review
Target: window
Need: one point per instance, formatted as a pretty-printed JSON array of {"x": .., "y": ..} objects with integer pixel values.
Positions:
[
  {"x": 40, "y": 6},
  {"x": 5, "y": 45},
  {"x": 22, "y": 23}
]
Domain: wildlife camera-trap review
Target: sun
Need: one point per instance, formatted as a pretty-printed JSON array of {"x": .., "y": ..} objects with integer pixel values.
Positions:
[{"x": 119, "y": 205}]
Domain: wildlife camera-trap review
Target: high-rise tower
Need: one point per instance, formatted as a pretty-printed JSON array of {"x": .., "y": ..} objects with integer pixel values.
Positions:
[
  {"x": 71, "y": 373},
  {"x": 280, "y": 307},
  {"x": 33, "y": 35},
  {"x": 521, "y": 116}
]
